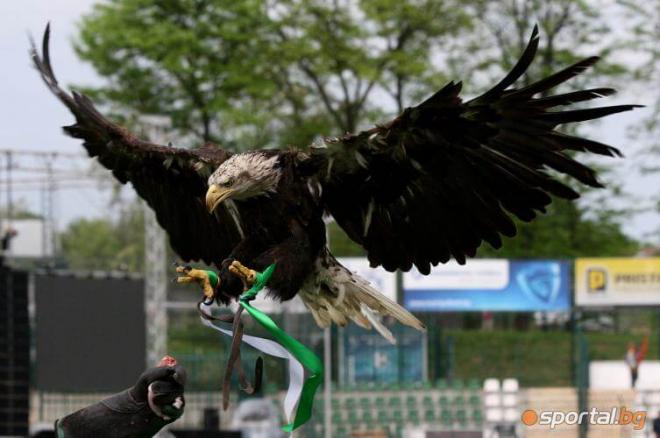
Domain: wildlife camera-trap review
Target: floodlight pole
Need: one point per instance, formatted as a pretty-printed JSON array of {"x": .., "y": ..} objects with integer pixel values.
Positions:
[
  {"x": 327, "y": 383},
  {"x": 9, "y": 189},
  {"x": 327, "y": 362},
  {"x": 155, "y": 254}
]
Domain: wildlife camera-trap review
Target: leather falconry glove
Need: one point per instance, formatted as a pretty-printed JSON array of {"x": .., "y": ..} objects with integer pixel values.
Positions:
[{"x": 138, "y": 412}]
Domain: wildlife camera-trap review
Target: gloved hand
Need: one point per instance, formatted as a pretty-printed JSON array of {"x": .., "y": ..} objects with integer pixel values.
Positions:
[{"x": 138, "y": 412}]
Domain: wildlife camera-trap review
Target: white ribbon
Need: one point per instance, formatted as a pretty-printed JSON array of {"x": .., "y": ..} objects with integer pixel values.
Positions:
[{"x": 271, "y": 348}]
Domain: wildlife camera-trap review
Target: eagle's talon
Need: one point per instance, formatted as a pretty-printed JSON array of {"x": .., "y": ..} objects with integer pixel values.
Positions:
[
  {"x": 198, "y": 276},
  {"x": 247, "y": 275}
]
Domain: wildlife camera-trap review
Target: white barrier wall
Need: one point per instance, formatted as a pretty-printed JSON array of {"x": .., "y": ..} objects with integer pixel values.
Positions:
[{"x": 615, "y": 374}]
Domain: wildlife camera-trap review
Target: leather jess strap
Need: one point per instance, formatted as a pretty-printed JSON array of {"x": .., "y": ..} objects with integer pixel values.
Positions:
[{"x": 234, "y": 361}]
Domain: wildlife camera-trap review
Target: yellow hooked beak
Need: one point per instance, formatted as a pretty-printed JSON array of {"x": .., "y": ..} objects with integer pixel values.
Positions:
[{"x": 215, "y": 195}]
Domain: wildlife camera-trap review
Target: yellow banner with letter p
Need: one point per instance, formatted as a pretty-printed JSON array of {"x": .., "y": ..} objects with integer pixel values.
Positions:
[{"x": 617, "y": 281}]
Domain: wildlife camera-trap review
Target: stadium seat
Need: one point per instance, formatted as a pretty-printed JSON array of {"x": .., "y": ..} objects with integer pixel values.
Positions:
[
  {"x": 409, "y": 386},
  {"x": 380, "y": 402},
  {"x": 380, "y": 386},
  {"x": 492, "y": 400},
  {"x": 474, "y": 400},
  {"x": 429, "y": 415},
  {"x": 444, "y": 401},
  {"x": 350, "y": 403},
  {"x": 394, "y": 387},
  {"x": 411, "y": 401},
  {"x": 510, "y": 385},
  {"x": 383, "y": 417},
  {"x": 509, "y": 400},
  {"x": 494, "y": 415},
  {"x": 445, "y": 417},
  {"x": 365, "y": 403},
  {"x": 397, "y": 416},
  {"x": 353, "y": 417},
  {"x": 394, "y": 402},
  {"x": 340, "y": 432},
  {"x": 473, "y": 384},
  {"x": 491, "y": 385},
  {"x": 441, "y": 384},
  {"x": 459, "y": 400},
  {"x": 477, "y": 417},
  {"x": 427, "y": 401},
  {"x": 336, "y": 417},
  {"x": 367, "y": 417},
  {"x": 461, "y": 417},
  {"x": 363, "y": 387},
  {"x": 457, "y": 384},
  {"x": 335, "y": 404},
  {"x": 413, "y": 416}
]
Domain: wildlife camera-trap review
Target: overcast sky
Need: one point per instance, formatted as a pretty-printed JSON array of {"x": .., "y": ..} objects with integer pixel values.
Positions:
[{"x": 32, "y": 117}]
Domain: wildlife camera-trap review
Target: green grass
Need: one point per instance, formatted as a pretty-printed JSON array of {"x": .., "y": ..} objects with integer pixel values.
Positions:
[{"x": 536, "y": 358}]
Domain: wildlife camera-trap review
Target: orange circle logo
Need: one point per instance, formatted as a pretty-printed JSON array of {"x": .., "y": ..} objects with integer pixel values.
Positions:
[{"x": 529, "y": 417}]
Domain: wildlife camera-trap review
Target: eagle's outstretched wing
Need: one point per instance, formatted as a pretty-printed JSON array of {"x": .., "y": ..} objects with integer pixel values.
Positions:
[
  {"x": 171, "y": 180},
  {"x": 445, "y": 175}
]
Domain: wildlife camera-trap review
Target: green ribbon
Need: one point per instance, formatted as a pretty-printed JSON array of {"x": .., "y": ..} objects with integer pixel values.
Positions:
[
  {"x": 298, "y": 350},
  {"x": 213, "y": 278},
  {"x": 60, "y": 431}
]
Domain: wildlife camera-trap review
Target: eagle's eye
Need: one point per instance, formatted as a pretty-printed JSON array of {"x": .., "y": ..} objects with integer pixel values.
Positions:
[{"x": 230, "y": 182}]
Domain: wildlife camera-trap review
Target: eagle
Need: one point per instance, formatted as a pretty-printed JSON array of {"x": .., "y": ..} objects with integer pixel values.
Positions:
[{"x": 426, "y": 187}]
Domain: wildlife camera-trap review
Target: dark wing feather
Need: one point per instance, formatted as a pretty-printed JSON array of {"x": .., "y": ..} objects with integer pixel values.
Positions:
[
  {"x": 172, "y": 181},
  {"x": 443, "y": 176}
]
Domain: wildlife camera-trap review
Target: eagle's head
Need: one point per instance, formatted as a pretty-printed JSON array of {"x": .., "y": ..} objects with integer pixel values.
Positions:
[{"x": 243, "y": 176}]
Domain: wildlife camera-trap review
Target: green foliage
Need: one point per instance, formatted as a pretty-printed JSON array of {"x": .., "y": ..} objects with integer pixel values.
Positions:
[
  {"x": 341, "y": 245},
  {"x": 246, "y": 73},
  {"x": 526, "y": 355},
  {"x": 252, "y": 73},
  {"x": 19, "y": 210},
  {"x": 192, "y": 60},
  {"x": 569, "y": 31},
  {"x": 89, "y": 244},
  {"x": 644, "y": 18},
  {"x": 565, "y": 232}
]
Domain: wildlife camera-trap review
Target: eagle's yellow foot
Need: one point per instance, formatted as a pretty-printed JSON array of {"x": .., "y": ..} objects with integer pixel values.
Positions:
[
  {"x": 247, "y": 275},
  {"x": 199, "y": 276}
]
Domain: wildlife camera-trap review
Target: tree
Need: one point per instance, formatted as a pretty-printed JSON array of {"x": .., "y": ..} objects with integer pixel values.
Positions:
[
  {"x": 103, "y": 244},
  {"x": 222, "y": 68},
  {"x": 284, "y": 71},
  {"x": 90, "y": 244},
  {"x": 19, "y": 210},
  {"x": 569, "y": 229},
  {"x": 191, "y": 60},
  {"x": 644, "y": 18},
  {"x": 336, "y": 61}
]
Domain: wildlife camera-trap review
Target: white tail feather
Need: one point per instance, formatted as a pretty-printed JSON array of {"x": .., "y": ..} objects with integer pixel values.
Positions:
[{"x": 334, "y": 294}]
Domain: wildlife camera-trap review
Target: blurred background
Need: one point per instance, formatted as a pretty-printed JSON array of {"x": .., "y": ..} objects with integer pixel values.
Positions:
[{"x": 544, "y": 323}]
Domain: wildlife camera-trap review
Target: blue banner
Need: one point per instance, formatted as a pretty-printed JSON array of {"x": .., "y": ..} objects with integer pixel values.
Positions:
[
  {"x": 370, "y": 358},
  {"x": 490, "y": 285}
]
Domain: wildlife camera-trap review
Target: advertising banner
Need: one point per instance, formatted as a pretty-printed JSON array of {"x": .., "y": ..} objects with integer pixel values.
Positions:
[
  {"x": 381, "y": 280},
  {"x": 490, "y": 285},
  {"x": 367, "y": 357},
  {"x": 617, "y": 281}
]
